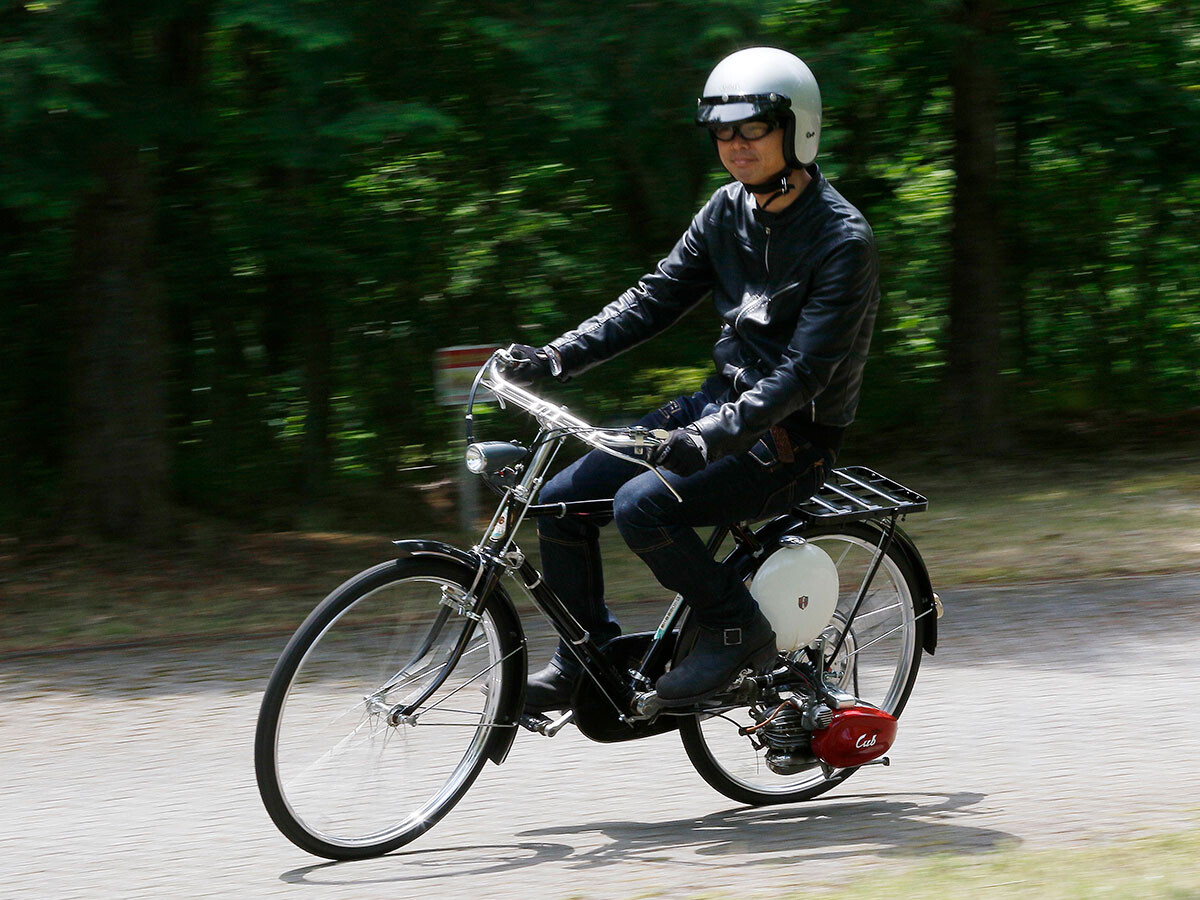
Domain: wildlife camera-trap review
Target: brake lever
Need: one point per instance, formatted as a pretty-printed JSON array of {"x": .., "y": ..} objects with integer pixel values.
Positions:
[
  {"x": 666, "y": 483},
  {"x": 661, "y": 435}
]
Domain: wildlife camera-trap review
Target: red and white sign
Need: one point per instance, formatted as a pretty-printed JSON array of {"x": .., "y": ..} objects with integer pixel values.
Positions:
[{"x": 454, "y": 371}]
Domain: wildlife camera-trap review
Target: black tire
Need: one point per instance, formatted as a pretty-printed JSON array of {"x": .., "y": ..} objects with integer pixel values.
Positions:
[
  {"x": 335, "y": 777},
  {"x": 729, "y": 762}
]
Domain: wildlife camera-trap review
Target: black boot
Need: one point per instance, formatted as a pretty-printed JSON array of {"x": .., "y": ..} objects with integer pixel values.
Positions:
[
  {"x": 551, "y": 687},
  {"x": 718, "y": 656}
]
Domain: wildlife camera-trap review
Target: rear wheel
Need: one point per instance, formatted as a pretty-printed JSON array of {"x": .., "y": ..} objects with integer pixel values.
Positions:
[
  {"x": 343, "y": 776},
  {"x": 878, "y": 663}
]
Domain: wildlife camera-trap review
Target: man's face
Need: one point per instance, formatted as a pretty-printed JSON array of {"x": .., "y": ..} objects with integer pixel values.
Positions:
[{"x": 753, "y": 162}]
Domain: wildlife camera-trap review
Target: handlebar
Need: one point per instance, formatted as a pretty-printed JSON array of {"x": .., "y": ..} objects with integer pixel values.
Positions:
[{"x": 635, "y": 440}]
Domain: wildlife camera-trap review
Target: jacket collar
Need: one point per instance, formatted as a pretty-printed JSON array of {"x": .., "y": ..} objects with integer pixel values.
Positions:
[{"x": 803, "y": 202}]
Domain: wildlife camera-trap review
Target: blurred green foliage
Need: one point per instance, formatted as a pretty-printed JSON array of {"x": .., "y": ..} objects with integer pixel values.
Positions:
[{"x": 340, "y": 188}]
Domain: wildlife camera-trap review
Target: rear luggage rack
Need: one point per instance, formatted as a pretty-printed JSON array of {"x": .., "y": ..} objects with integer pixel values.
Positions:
[{"x": 857, "y": 492}]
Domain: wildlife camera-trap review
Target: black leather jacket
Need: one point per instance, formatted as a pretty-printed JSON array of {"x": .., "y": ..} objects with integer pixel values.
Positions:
[{"x": 797, "y": 292}]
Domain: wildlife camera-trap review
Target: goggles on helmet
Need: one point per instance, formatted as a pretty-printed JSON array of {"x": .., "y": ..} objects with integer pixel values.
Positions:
[{"x": 730, "y": 108}]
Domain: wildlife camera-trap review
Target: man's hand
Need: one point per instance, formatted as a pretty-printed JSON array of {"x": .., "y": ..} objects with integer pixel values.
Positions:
[
  {"x": 683, "y": 453},
  {"x": 529, "y": 365}
]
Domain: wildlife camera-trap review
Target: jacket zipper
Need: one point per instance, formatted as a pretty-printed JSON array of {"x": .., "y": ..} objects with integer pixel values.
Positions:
[
  {"x": 766, "y": 297},
  {"x": 741, "y": 313}
]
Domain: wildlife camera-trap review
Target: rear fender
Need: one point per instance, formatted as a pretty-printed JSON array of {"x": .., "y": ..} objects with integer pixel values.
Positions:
[
  {"x": 516, "y": 666},
  {"x": 925, "y": 603}
]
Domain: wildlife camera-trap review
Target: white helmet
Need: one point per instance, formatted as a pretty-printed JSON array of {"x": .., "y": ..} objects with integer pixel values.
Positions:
[{"x": 761, "y": 81}]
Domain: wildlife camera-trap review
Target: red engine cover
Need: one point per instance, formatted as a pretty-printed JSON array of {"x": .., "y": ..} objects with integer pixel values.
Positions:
[{"x": 855, "y": 736}]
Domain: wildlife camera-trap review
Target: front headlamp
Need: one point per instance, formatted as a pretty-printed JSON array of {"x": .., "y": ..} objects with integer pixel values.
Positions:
[
  {"x": 476, "y": 460},
  {"x": 492, "y": 456}
]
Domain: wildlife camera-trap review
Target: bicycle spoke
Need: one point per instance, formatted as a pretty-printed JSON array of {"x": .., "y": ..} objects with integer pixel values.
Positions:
[
  {"x": 391, "y": 683},
  {"x": 469, "y": 680},
  {"x": 875, "y": 612},
  {"x": 899, "y": 627}
]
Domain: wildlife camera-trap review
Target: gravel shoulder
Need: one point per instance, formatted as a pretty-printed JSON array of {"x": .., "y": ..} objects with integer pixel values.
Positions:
[{"x": 1053, "y": 715}]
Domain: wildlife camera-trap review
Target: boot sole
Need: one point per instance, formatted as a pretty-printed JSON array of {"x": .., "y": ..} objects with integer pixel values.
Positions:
[
  {"x": 540, "y": 708},
  {"x": 761, "y": 658}
]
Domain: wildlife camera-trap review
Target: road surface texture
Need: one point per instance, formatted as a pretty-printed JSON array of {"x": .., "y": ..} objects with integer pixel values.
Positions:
[{"x": 1052, "y": 715}]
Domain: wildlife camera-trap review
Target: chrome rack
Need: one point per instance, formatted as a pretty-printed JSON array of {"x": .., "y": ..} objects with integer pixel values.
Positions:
[{"x": 857, "y": 492}]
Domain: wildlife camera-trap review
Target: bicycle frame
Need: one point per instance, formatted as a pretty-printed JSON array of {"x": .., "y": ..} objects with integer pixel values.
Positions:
[{"x": 498, "y": 554}]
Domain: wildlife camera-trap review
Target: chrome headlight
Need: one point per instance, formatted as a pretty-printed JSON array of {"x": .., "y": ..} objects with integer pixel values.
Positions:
[
  {"x": 492, "y": 456},
  {"x": 476, "y": 459}
]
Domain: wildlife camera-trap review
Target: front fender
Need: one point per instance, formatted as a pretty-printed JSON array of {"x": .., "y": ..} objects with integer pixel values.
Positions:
[
  {"x": 439, "y": 549},
  {"x": 516, "y": 666}
]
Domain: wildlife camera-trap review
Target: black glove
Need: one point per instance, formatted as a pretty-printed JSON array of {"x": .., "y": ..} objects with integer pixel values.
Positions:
[
  {"x": 529, "y": 365},
  {"x": 680, "y": 453}
]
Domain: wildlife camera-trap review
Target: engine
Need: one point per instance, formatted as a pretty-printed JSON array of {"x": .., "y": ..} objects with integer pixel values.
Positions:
[
  {"x": 798, "y": 735},
  {"x": 789, "y": 740}
]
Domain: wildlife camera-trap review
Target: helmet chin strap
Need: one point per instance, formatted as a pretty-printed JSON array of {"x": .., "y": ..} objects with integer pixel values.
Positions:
[{"x": 777, "y": 185}]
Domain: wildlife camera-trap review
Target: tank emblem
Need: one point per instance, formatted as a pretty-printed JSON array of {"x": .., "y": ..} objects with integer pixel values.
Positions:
[{"x": 803, "y": 602}]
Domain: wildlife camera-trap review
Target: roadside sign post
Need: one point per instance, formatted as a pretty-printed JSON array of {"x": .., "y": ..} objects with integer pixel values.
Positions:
[{"x": 454, "y": 371}]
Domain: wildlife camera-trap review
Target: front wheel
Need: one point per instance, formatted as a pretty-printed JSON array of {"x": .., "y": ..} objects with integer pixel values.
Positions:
[
  {"x": 878, "y": 663},
  {"x": 340, "y": 774}
]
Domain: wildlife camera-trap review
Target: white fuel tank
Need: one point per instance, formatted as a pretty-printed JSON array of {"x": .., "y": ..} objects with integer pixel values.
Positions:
[{"x": 797, "y": 590}]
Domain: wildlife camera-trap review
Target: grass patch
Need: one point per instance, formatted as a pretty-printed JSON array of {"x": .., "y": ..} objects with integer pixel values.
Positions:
[
  {"x": 1124, "y": 513},
  {"x": 1013, "y": 522},
  {"x": 1163, "y": 867}
]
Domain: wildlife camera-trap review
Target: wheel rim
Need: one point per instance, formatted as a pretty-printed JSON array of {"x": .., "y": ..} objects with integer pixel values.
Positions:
[
  {"x": 874, "y": 663},
  {"x": 346, "y": 775}
]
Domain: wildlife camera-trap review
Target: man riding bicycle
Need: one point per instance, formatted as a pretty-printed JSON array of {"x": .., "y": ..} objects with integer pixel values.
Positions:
[{"x": 793, "y": 274}]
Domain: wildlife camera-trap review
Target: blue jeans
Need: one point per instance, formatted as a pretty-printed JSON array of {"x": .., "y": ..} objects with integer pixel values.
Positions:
[{"x": 741, "y": 487}]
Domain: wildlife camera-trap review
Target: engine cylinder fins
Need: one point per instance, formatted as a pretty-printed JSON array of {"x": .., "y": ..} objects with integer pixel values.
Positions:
[
  {"x": 786, "y": 728},
  {"x": 788, "y": 740}
]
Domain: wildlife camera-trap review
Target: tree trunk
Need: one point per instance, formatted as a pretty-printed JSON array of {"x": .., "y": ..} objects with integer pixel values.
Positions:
[
  {"x": 972, "y": 387},
  {"x": 318, "y": 393},
  {"x": 1144, "y": 304},
  {"x": 116, "y": 467}
]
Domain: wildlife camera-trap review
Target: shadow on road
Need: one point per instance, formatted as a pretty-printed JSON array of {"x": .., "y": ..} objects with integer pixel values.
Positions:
[
  {"x": 881, "y": 825},
  {"x": 863, "y": 825},
  {"x": 474, "y": 861}
]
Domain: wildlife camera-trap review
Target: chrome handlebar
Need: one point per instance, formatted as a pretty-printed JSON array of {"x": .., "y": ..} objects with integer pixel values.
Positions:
[{"x": 635, "y": 440}]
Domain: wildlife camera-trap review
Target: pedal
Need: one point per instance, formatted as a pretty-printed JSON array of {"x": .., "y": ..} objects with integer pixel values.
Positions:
[
  {"x": 535, "y": 722},
  {"x": 544, "y": 725}
]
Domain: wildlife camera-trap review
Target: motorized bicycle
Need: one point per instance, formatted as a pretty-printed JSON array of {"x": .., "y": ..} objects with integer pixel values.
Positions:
[{"x": 409, "y": 677}]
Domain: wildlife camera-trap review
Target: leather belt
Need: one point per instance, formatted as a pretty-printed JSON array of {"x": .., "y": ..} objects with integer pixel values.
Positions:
[{"x": 783, "y": 444}]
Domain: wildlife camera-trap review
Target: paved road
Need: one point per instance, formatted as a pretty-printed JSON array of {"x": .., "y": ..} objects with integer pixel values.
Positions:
[{"x": 1051, "y": 716}]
